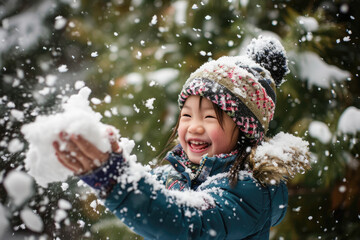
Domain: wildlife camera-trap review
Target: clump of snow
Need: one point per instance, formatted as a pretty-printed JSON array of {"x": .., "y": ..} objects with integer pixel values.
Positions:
[
  {"x": 77, "y": 118},
  {"x": 320, "y": 131},
  {"x": 317, "y": 72},
  {"x": 64, "y": 204},
  {"x": 15, "y": 145},
  {"x": 310, "y": 24},
  {"x": 79, "y": 84},
  {"x": 95, "y": 101},
  {"x": 19, "y": 186},
  {"x": 94, "y": 54},
  {"x": 149, "y": 103},
  {"x": 153, "y": 20},
  {"x": 60, "y": 22},
  {"x": 64, "y": 186},
  {"x": 163, "y": 76},
  {"x": 50, "y": 80},
  {"x": 280, "y": 145},
  {"x": 60, "y": 215},
  {"x": 284, "y": 149},
  {"x": 107, "y": 99},
  {"x": 349, "y": 121},
  {"x": 31, "y": 220},
  {"x": 63, "y": 68},
  {"x": 18, "y": 115}
]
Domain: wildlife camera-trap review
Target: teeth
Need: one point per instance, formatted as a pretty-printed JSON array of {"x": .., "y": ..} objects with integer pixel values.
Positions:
[{"x": 197, "y": 142}]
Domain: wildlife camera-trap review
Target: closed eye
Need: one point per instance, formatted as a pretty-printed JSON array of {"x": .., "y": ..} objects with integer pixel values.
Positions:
[
  {"x": 210, "y": 116},
  {"x": 186, "y": 115}
]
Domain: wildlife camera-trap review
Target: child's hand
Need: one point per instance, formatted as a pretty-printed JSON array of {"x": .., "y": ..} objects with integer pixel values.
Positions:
[{"x": 81, "y": 156}]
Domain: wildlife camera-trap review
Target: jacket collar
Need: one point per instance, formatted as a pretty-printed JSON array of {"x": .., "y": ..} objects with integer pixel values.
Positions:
[{"x": 209, "y": 166}]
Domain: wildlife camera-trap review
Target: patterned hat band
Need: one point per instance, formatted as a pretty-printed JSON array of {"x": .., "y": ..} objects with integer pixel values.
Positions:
[{"x": 248, "y": 123}]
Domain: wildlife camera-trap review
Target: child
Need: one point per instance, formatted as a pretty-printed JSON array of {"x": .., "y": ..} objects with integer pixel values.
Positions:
[{"x": 221, "y": 182}]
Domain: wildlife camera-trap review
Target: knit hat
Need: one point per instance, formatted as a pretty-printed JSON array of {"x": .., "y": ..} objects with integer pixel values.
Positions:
[{"x": 243, "y": 86}]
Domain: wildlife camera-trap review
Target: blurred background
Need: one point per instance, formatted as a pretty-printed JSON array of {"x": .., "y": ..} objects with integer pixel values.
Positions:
[{"x": 135, "y": 55}]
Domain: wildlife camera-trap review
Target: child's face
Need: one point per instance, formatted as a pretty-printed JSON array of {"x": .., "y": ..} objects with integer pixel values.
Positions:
[{"x": 200, "y": 133}]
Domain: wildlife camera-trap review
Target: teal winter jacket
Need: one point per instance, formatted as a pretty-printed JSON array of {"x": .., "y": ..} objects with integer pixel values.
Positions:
[{"x": 170, "y": 203}]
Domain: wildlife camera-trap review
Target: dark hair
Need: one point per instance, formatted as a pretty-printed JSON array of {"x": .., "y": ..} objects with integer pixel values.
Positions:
[{"x": 241, "y": 161}]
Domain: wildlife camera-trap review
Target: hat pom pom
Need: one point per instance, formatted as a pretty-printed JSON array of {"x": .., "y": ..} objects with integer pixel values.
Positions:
[{"x": 270, "y": 54}]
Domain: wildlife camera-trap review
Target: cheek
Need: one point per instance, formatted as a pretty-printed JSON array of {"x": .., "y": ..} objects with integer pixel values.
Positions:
[
  {"x": 218, "y": 136},
  {"x": 224, "y": 141},
  {"x": 181, "y": 133}
]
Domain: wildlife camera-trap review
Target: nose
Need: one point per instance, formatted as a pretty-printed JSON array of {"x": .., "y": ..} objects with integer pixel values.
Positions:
[{"x": 196, "y": 128}]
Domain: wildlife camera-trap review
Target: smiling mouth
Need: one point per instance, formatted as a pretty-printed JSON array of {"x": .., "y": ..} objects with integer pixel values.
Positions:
[{"x": 198, "y": 146}]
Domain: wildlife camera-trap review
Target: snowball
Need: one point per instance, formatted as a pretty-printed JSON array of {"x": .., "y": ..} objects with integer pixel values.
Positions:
[
  {"x": 320, "y": 131},
  {"x": 19, "y": 186},
  {"x": 31, "y": 220},
  {"x": 77, "y": 118},
  {"x": 349, "y": 121}
]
